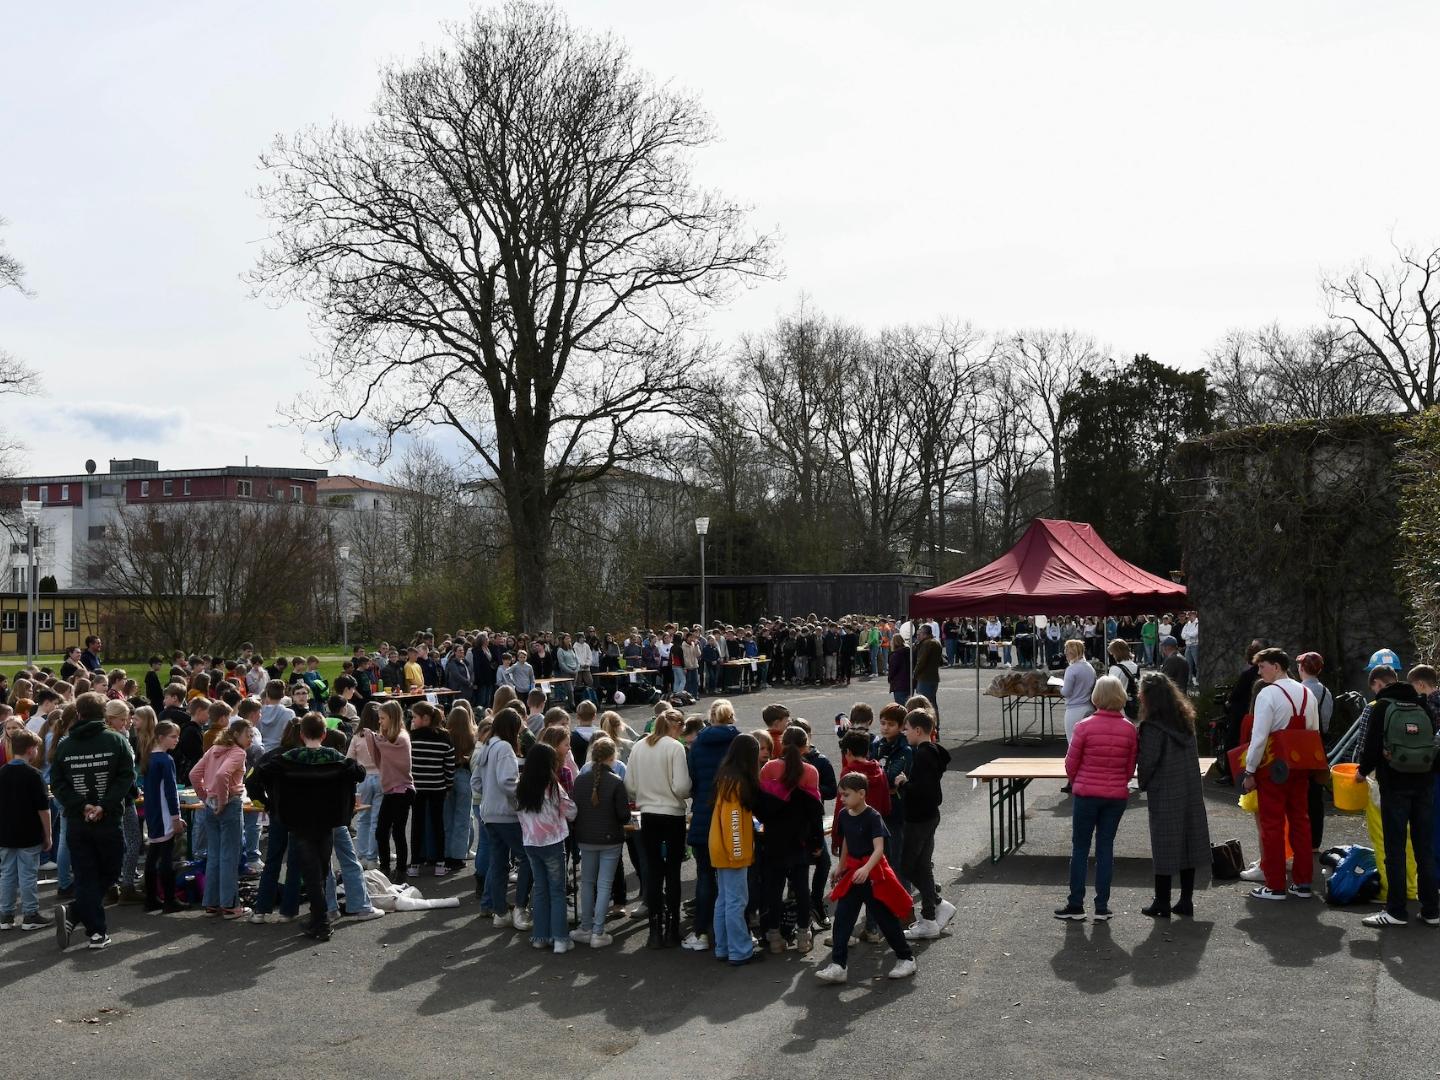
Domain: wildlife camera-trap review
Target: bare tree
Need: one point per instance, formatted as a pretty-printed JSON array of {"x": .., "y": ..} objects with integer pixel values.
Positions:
[
  {"x": 513, "y": 248},
  {"x": 206, "y": 575},
  {"x": 1272, "y": 375},
  {"x": 1046, "y": 365},
  {"x": 945, "y": 418},
  {"x": 15, "y": 376},
  {"x": 1391, "y": 320}
]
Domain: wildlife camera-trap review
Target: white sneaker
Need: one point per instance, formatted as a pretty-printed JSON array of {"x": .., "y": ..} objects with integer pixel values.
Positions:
[
  {"x": 580, "y": 936},
  {"x": 599, "y": 941},
  {"x": 1263, "y": 893},
  {"x": 639, "y": 911},
  {"x": 441, "y": 870},
  {"x": 502, "y": 921},
  {"x": 366, "y": 915},
  {"x": 902, "y": 970},
  {"x": 48, "y": 865},
  {"x": 1382, "y": 918},
  {"x": 1252, "y": 873},
  {"x": 562, "y": 946},
  {"x": 257, "y": 919},
  {"x": 854, "y": 940},
  {"x": 944, "y": 912},
  {"x": 832, "y": 973},
  {"x": 1301, "y": 892},
  {"x": 923, "y": 930},
  {"x": 696, "y": 942},
  {"x": 520, "y": 919}
]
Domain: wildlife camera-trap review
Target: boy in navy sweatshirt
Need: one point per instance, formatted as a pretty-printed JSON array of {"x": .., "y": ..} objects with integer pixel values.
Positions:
[{"x": 922, "y": 817}]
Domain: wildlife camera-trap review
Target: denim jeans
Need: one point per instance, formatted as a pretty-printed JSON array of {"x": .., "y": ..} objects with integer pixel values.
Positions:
[
  {"x": 250, "y": 847},
  {"x": 64, "y": 879},
  {"x": 732, "y": 933},
  {"x": 1102, "y": 818},
  {"x": 482, "y": 847},
  {"x": 704, "y": 889},
  {"x": 199, "y": 837},
  {"x": 458, "y": 816},
  {"x": 547, "y": 864},
  {"x": 1192, "y": 655},
  {"x": 677, "y": 678},
  {"x": 278, "y": 855},
  {"x": 1411, "y": 809},
  {"x": 597, "y": 877},
  {"x": 19, "y": 875},
  {"x": 692, "y": 681},
  {"x": 96, "y": 851},
  {"x": 357, "y": 897},
  {"x": 505, "y": 841},
  {"x": 222, "y": 863},
  {"x": 370, "y": 795}
]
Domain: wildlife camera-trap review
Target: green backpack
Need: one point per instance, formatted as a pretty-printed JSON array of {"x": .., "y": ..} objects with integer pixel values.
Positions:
[{"x": 1409, "y": 738}]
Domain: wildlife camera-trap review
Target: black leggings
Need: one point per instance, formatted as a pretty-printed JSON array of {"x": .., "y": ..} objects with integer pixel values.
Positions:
[
  {"x": 160, "y": 873},
  {"x": 662, "y": 875},
  {"x": 431, "y": 805},
  {"x": 394, "y": 810},
  {"x": 775, "y": 874}
]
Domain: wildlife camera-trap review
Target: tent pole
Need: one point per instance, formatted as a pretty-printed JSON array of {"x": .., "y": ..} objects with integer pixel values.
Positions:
[{"x": 977, "y": 680}]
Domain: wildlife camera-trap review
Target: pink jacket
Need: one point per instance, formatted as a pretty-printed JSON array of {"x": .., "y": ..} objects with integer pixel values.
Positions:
[
  {"x": 1101, "y": 759},
  {"x": 220, "y": 773}
]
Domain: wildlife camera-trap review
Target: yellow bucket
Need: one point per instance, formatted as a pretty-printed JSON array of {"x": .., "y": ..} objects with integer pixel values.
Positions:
[{"x": 1349, "y": 795}]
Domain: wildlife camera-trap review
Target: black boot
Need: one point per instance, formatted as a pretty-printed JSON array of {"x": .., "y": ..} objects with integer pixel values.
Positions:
[
  {"x": 1159, "y": 907},
  {"x": 1186, "y": 906},
  {"x": 656, "y": 938}
]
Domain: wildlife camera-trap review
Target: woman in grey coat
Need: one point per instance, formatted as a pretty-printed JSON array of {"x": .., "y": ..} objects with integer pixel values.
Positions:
[{"x": 1170, "y": 777}]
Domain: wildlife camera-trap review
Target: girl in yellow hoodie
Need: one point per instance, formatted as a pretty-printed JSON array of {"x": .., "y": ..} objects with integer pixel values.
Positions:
[{"x": 732, "y": 848}]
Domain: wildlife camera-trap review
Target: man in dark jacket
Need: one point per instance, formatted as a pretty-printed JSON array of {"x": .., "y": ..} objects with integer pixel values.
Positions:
[
  {"x": 314, "y": 787},
  {"x": 1406, "y": 797},
  {"x": 922, "y": 817},
  {"x": 704, "y": 759},
  {"x": 457, "y": 672},
  {"x": 1174, "y": 665},
  {"x": 1238, "y": 704},
  {"x": 91, "y": 776},
  {"x": 928, "y": 658},
  {"x": 482, "y": 672}
]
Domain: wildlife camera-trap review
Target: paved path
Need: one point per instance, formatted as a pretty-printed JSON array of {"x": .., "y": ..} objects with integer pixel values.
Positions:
[{"x": 1245, "y": 990}]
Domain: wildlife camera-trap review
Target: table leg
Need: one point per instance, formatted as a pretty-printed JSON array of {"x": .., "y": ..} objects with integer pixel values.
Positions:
[{"x": 1007, "y": 816}]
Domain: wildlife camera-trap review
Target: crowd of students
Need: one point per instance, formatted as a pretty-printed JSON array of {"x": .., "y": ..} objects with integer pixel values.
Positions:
[
  {"x": 525, "y": 790},
  {"x": 1122, "y": 720}
]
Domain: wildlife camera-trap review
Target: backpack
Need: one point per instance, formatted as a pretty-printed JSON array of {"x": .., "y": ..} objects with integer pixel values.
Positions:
[
  {"x": 1355, "y": 879},
  {"x": 1132, "y": 702},
  {"x": 1409, "y": 737}
]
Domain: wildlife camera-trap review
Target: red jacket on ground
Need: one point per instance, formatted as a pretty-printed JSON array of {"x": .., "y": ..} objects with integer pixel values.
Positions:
[{"x": 1101, "y": 758}]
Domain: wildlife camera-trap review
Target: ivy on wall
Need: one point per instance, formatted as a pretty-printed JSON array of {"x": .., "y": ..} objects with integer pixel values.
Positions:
[{"x": 1418, "y": 556}]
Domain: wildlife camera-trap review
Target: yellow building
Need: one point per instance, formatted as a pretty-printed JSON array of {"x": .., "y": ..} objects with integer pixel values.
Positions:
[{"x": 63, "y": 619}]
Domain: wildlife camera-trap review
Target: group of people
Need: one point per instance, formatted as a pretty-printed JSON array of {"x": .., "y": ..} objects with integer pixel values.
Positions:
[
  {"x": 1039, "y": 641},
  {"x": 1125, "y": 724},
  {"x": 96, "y": 783}
]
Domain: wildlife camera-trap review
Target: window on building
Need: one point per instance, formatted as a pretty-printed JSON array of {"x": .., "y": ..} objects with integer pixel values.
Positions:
[
  {"x": 72, "y": 619},
  {"x": 17, "y": 578},
  {"x": 377, "y": 504},
  {"x": 294, "y": 492},
  {"x": 185, "y": 486},
  {"x": 47, "y": 620},
  {"x": 144, "y": 488},
  {"x": 242, "y": 488},
  {"x": 94, "y": 490},
  {"x": 7, "y": 621},
  {"x": 97, "y": 532},
  {"x": 64, "y": 492},
  {"x": 167, "y": 487},
  {"x": 44, "y": 493}
]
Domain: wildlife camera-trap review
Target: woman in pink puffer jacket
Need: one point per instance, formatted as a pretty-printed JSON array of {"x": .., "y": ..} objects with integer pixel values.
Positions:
[{"x": 1100, "y": 763}]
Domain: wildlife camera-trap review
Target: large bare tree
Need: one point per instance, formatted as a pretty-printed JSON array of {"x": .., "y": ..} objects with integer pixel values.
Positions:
[
  {"x": 1274, "y": 375},
  {"x": 1046, "y": 366},
  {"x": 1391, "y": 319},
  {"x": 513, "y": 247}
]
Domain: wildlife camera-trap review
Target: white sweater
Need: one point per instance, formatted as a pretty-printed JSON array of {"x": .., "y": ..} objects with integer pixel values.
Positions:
[
  {"x": 657, "y": 777},
  {"x": 1273, "y": 710}
]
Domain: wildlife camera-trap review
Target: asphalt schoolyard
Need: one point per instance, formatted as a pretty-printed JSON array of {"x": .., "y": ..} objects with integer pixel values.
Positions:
[{"x": 1245, "y": 989}]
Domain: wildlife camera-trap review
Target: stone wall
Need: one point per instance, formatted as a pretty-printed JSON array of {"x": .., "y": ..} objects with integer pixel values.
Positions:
[{"x": 1290, "y": 535}]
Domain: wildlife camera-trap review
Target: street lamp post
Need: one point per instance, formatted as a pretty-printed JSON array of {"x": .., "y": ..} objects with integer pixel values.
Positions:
[
  {"x": 343, "y": 551},
  {"x": 30, "y": 510},
  {"x": 702, "y": 526}
]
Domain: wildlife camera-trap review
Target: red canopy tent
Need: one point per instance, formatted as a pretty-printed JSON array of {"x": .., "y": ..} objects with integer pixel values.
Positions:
[{"x": 1057, "y": 568}]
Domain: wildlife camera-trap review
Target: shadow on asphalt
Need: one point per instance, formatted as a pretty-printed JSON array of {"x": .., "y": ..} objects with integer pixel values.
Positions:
[
  {"x": 1410, "y": 955},
  {"x": 1091, "y": 961}
]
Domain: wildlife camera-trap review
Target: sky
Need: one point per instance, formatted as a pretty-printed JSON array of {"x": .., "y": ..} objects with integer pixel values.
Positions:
[{"x": 1151, "y": 174}]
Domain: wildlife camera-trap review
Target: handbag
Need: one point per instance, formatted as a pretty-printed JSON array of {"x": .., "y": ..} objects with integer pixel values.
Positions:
[{"x": 1226, "y": 860}]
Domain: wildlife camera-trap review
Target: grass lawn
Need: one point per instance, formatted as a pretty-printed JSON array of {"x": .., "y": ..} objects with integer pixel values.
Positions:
[{"x": 331, "y": 656}]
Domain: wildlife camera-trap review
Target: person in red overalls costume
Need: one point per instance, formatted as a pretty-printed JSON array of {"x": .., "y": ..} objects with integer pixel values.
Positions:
[{"x": 1284, "y": 793}]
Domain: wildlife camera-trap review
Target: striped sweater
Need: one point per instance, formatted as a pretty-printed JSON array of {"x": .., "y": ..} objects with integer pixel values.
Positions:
[{"x": 432, "y": 759}]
